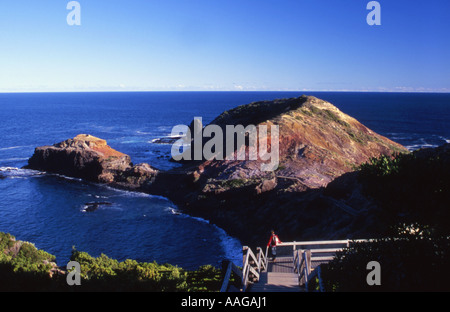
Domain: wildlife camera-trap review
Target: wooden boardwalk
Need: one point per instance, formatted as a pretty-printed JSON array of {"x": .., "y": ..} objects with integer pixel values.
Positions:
[
  {"x": 296, "y": 269},
  {"x": 280, "y": 277}
]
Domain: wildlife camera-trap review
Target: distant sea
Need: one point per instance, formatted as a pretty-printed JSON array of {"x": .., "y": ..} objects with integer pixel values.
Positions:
[{"x": 48, "y": 209}]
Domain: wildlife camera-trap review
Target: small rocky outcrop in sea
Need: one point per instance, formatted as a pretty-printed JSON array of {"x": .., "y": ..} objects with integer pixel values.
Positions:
[
  {"x": 90, "y": 158},
  {"x": 90, "y": 207}
]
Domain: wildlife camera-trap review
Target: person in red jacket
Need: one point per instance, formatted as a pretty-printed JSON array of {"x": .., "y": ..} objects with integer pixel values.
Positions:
[{"x": 273, "y": 242}]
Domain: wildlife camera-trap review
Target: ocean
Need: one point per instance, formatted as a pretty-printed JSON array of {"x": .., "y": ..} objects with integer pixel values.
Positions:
[{"x": 47, "y": 209}]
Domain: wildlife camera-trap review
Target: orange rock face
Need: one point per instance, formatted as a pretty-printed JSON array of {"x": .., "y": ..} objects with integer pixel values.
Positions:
[
  {"x": 96, "y": 144},
  {"x": 317, "y": 142},
  {"x": 90, "y": 158}
]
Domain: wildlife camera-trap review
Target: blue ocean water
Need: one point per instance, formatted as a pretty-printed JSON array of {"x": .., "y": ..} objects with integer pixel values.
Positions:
[{"x": 48, "y": 209}]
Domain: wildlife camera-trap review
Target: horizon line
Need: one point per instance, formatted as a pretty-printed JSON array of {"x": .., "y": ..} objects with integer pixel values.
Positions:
[{"x": 236, "y": 91}]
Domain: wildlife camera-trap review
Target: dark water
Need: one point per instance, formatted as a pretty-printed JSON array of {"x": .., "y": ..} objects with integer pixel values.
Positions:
[{"x": 47, "y": 209}]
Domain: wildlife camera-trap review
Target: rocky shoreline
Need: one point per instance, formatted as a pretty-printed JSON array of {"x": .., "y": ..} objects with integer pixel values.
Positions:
[{"x": 320, "y": 147}]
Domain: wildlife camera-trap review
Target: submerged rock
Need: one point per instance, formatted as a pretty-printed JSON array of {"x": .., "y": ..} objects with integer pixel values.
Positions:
[{"x": 90, "y": 207}]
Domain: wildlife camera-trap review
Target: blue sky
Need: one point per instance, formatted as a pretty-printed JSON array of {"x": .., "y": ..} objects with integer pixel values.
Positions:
[{"x": 149, "y": 45}]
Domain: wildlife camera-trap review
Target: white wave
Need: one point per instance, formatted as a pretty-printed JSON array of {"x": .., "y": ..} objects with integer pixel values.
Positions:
[
  {"x": 14, "y": 172},
  {"x": 130, "y": 142},
  {"x": 67, "y": 177},
  {"x": 232, "y": 247},
  {"x": 8, "y": 168},
  {"x": 168, "y": 140},
  {"x": 13, "y": 147},
  {"x": 14, "y": 159},
  {"x": 395, "y": 133},
  {"x": 195, "y": 218},
  {"x": 144, "y": 133},
  {"x": 444, "y": 139},
  {"x": 399, "y": 138},
  {"x": 414, "y": 147},
  {"x": 174, "y": 136},
  {"x": 173, "y": 211},
  {"x": 164, "y": 128},
  {"x": 127, "y": 193}
]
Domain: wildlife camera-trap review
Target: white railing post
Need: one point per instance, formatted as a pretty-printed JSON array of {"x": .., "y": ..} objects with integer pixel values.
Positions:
[
  {"x": 245, "y": 270},
  {"x": 258, "y": 258},
  {"x": 267, "y": 255}
]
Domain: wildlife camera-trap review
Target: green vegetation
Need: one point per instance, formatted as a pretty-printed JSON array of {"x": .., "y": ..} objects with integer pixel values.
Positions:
[
  {"x": 306, "y": 112},
  {"x": 412, "y": 261},
  {"x": 329, "y": 115},
  {"x": 25, "y": 268},
  {"x": 106, "y": 274},
  {"x": 410, "y": 189},
  {"x": 206, "y": 279},
  {"x": 358, "y": 138},
  {"x": 384, "y": 165},
  {"x": 326, "y": 114},
  {"x": 234, "y": 183},
  {"x": 412, "y": 192}
]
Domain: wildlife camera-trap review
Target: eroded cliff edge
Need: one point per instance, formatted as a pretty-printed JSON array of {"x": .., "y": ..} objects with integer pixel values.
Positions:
[{"x": 318, "y": 143}]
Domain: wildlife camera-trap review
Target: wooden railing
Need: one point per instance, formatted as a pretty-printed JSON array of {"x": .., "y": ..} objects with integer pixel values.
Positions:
[
  {"x": 252, "y": 266},
  {"x": 304, "y": 255},
  {"x": 310, "y": 252},
  {"x": 251, "y": 269},
  {"x": 231, "y": 268}
]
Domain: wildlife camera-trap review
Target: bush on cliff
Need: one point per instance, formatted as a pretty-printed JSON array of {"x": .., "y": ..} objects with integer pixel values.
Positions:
[
  {"x": 106, "y": 274},
  {"x": 411, "y": 261},
  {"x": 23, "y": 267},
  {"x": 206, "y": 279},
  {"x": 412, "y": 192},
  {"x": 411, "y": 188}
]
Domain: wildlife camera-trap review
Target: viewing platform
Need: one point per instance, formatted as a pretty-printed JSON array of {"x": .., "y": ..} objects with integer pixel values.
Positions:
[{"x": 296, "y": 264}]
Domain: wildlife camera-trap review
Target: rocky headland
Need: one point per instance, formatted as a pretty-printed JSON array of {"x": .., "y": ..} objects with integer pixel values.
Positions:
[
  {"x": 90, "y": 158},
  {"x": 320, "y": 148}
]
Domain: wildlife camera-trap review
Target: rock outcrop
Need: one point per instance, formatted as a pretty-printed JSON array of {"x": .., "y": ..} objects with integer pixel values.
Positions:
[
  {"x": 318, "y": 143},
  {"x": 90, "y": 158}
]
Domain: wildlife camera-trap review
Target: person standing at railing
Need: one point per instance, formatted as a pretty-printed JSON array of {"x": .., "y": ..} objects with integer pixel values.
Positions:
[{"x": 273, "y": 242}]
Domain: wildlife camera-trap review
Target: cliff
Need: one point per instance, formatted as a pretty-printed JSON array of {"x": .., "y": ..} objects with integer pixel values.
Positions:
[
  {"x": 90, "y": 158},
  {"x": 317, "y": 144}
]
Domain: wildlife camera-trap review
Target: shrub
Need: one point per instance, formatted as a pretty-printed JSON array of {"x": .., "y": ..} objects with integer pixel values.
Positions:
[
  {"x": 408, "y": 263},
  {"x": 25, "y": 268},
  {"x": 22, "y": 266},
  {"x": 106, "y": 274},
  {"x": 410, "y": 189}
]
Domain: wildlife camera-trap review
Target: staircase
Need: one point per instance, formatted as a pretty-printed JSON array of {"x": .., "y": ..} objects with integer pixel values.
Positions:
[{"x": 290, "y": 273}]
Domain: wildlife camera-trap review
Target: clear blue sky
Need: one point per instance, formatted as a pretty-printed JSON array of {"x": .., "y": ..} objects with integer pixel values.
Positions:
[{"x": 224, "y": 45}]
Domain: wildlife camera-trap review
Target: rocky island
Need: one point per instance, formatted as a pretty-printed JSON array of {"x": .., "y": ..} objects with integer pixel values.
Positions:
[{"x": 319, "y": 144}]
